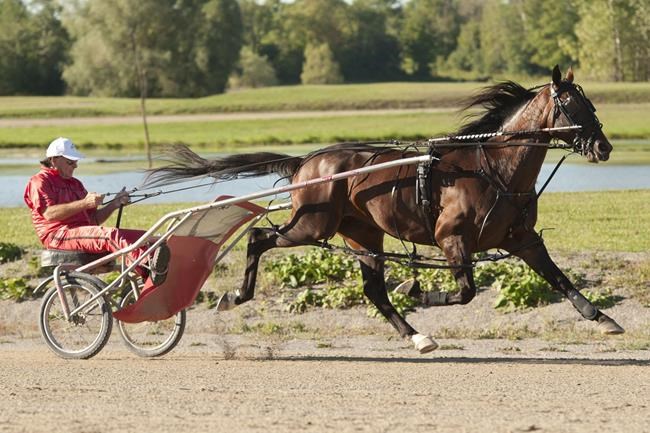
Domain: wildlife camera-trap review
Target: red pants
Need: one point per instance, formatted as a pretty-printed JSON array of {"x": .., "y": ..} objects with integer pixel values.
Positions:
[{"x": 96, "y": 239}]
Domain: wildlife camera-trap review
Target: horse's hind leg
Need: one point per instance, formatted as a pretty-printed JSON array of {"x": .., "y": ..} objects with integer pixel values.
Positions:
[
  {"x": 374, "y": 285},
  {"x": 310, "y": 223},
  {"x": 531, "y": 249},
  {"x": 260, "y": 240}
]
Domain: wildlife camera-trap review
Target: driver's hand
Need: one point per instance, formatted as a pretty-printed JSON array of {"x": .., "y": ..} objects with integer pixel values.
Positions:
[
  {"x": 92, "y": 200},
  {"x": 122, "y": 197}
]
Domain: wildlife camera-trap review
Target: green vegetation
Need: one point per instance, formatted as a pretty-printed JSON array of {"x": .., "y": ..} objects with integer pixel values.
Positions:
[
  {"x": 581, "y": 221},
  {"x": 318, "y": 266},
  {"x": 94, "y": 47},
  {"x": 302, "y": 98},
  {"x": 230, "y": 135},
  {"x": 15, "y": 289},
  {"x": 521, "y": 287},
  {"x": 9, "y": 252},
  {"x": 596, "y": 221}
]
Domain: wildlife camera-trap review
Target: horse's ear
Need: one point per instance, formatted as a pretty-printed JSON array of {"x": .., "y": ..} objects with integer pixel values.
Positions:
[
  {"x": 557, "y": 76},
  {"x": 569, "y": 75}
]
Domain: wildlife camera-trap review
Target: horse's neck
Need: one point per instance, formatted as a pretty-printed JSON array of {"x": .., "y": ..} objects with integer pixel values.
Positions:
[{"x": 519, "y": 166}]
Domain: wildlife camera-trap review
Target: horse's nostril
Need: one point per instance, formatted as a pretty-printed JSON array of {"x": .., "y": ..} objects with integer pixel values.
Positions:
[{"x": 603, "y": 147}]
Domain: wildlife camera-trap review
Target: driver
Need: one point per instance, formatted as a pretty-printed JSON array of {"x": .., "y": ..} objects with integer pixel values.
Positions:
[{"x": 67, "y": 217}]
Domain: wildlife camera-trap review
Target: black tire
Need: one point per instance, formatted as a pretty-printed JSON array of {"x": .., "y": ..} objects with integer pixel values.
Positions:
[
  {"x": 87, "y": 332},
  {"x": 150, "y": 339}
]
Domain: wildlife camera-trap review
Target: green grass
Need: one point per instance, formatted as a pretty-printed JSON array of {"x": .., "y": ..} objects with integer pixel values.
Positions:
[
  {"x": 285, "y": 98},
  {"x": 596, "y": 221},
  {"x": 332, "y": 97},
  {"x": 230, "y": 134},
  {"x": 621, "y": 122},
  {"x": 583, "y": 221}
]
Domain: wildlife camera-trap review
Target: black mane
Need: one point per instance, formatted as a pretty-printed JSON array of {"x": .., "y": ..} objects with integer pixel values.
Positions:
[{"x": 499, "y": 102}]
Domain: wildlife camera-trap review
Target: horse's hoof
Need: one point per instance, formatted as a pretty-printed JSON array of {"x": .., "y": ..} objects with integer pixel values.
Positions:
[
  {"x": 608, "y": 326},
  {"x": 423, "y": 343},
  {"x": 410, "y": 287},
  {"x": 226, "y": 302}
]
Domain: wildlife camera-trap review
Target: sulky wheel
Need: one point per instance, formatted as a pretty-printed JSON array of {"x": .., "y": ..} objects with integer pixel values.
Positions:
[
  {"x": 150, "y": 339},
  {"x": 85, "y": 333}
]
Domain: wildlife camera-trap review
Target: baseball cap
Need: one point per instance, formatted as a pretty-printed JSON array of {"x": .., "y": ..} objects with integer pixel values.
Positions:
[{"x": 63, "y": 147}]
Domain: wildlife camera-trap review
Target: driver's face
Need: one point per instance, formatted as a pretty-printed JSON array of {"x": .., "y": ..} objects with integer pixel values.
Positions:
[{"x": 64, "y": 166}]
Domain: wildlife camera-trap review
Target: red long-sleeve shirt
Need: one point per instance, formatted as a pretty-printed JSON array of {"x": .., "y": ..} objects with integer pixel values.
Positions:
[{"x": 48, "y": 188}]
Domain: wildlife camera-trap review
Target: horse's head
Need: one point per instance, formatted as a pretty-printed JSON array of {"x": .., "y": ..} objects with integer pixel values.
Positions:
[{"x": 573, "y": 108}]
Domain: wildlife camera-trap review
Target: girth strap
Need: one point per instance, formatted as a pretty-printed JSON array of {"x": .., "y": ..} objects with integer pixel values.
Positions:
[{"x": 423, "y": 195}]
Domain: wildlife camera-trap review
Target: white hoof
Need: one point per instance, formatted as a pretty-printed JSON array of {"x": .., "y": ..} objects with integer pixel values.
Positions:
[{"x": 423, "y": 343}]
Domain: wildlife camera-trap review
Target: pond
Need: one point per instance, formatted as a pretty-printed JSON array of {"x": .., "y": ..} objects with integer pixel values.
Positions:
[{"x": 570, "y": 177}]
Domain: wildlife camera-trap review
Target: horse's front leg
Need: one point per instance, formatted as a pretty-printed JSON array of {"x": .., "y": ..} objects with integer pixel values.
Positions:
[
  {"x": 364, "y": 238},
  {"x": 530, "y": 248}
]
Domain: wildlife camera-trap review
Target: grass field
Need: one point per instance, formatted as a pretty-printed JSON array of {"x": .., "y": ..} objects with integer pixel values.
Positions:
[
  {"x": 586, "y": 221},
  {"x": 621, "y": 122},
  {"x": 312, "y": 97}
]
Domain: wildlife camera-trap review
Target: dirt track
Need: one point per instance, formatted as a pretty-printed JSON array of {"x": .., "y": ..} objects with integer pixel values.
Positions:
[
  {"x": 259, "y": 368},
  {"x": 362, "y": 384}
]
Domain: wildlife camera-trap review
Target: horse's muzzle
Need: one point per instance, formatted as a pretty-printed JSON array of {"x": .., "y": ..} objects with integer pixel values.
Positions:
[{"x": 601, "y": 150}]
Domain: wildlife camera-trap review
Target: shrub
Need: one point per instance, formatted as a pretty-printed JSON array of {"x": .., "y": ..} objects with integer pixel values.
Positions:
[
  {"x": 520, "y": 287},
  {"x": 316, "y": 267},
  {"x": 15, "y": 289},
  {"x": 256, "y": 71},
  {"x": 9, "y": 252},
  {"x": 603, "y": 299},
  {"x": 320, "y": 66}
]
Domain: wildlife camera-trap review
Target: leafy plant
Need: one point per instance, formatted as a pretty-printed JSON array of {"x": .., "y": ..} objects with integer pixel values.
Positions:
[
  {"x": 430, "y": 279},
  {"x": 602, "y": 299},
  {"x": 520, "y": 287},
  {"x": 316, "y": 267},
  {"x": 402, "y": 303},
  {"x": 15, "y": 289},
  {"x": 9, "y": 252},
  {"x": 339, "y": 296}
]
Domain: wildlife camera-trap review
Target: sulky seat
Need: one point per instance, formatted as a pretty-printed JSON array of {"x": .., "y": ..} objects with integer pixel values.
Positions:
[{"x": 52, "y": 258}]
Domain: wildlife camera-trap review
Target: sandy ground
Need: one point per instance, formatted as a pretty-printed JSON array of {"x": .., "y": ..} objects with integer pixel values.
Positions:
[{"x": 344, "y": 372}]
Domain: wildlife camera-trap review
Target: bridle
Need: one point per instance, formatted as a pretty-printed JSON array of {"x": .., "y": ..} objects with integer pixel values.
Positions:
[{"x": 583, "y": 142}]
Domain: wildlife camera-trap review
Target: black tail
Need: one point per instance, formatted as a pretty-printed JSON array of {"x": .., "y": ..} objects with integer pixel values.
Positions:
[{"x": 186, "y": 164}]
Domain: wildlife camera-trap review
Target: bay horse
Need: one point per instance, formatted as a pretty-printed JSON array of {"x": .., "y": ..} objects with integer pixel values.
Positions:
[{"x": 480, "y": 197}]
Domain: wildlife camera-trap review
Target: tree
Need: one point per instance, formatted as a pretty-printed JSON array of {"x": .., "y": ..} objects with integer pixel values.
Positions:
[
  {"x": 429, "y": 32},
  {"x": 550, "y": 33},
  {"x": 467, "y": 56},
  {"x": 371, "y": 51},
  {"x": 607, "y": 37},
  {"x": 254, "y": 71},
  {"x": 33, "y": 45},
  {"x": 187, "y": 47},
  {"x": 153, "y": 48},
  {"x": 320, "y": 66},
  {"x": 270, "y": 32},
  {"x": 502, "y": 32}
]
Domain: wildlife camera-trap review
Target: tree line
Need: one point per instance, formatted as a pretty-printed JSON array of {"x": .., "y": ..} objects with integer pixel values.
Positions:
[{"x": 187, "y": 48}]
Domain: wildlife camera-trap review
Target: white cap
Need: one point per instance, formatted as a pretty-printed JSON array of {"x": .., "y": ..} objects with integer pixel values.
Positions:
[{"x": 63, "y": 147}]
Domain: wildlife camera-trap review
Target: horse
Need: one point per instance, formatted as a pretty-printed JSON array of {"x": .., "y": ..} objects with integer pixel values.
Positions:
[{"x": 478, "y": 197}]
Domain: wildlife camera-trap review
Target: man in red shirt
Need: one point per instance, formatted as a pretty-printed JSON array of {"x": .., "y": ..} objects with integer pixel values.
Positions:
[{"x": 67, "y": 217}]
